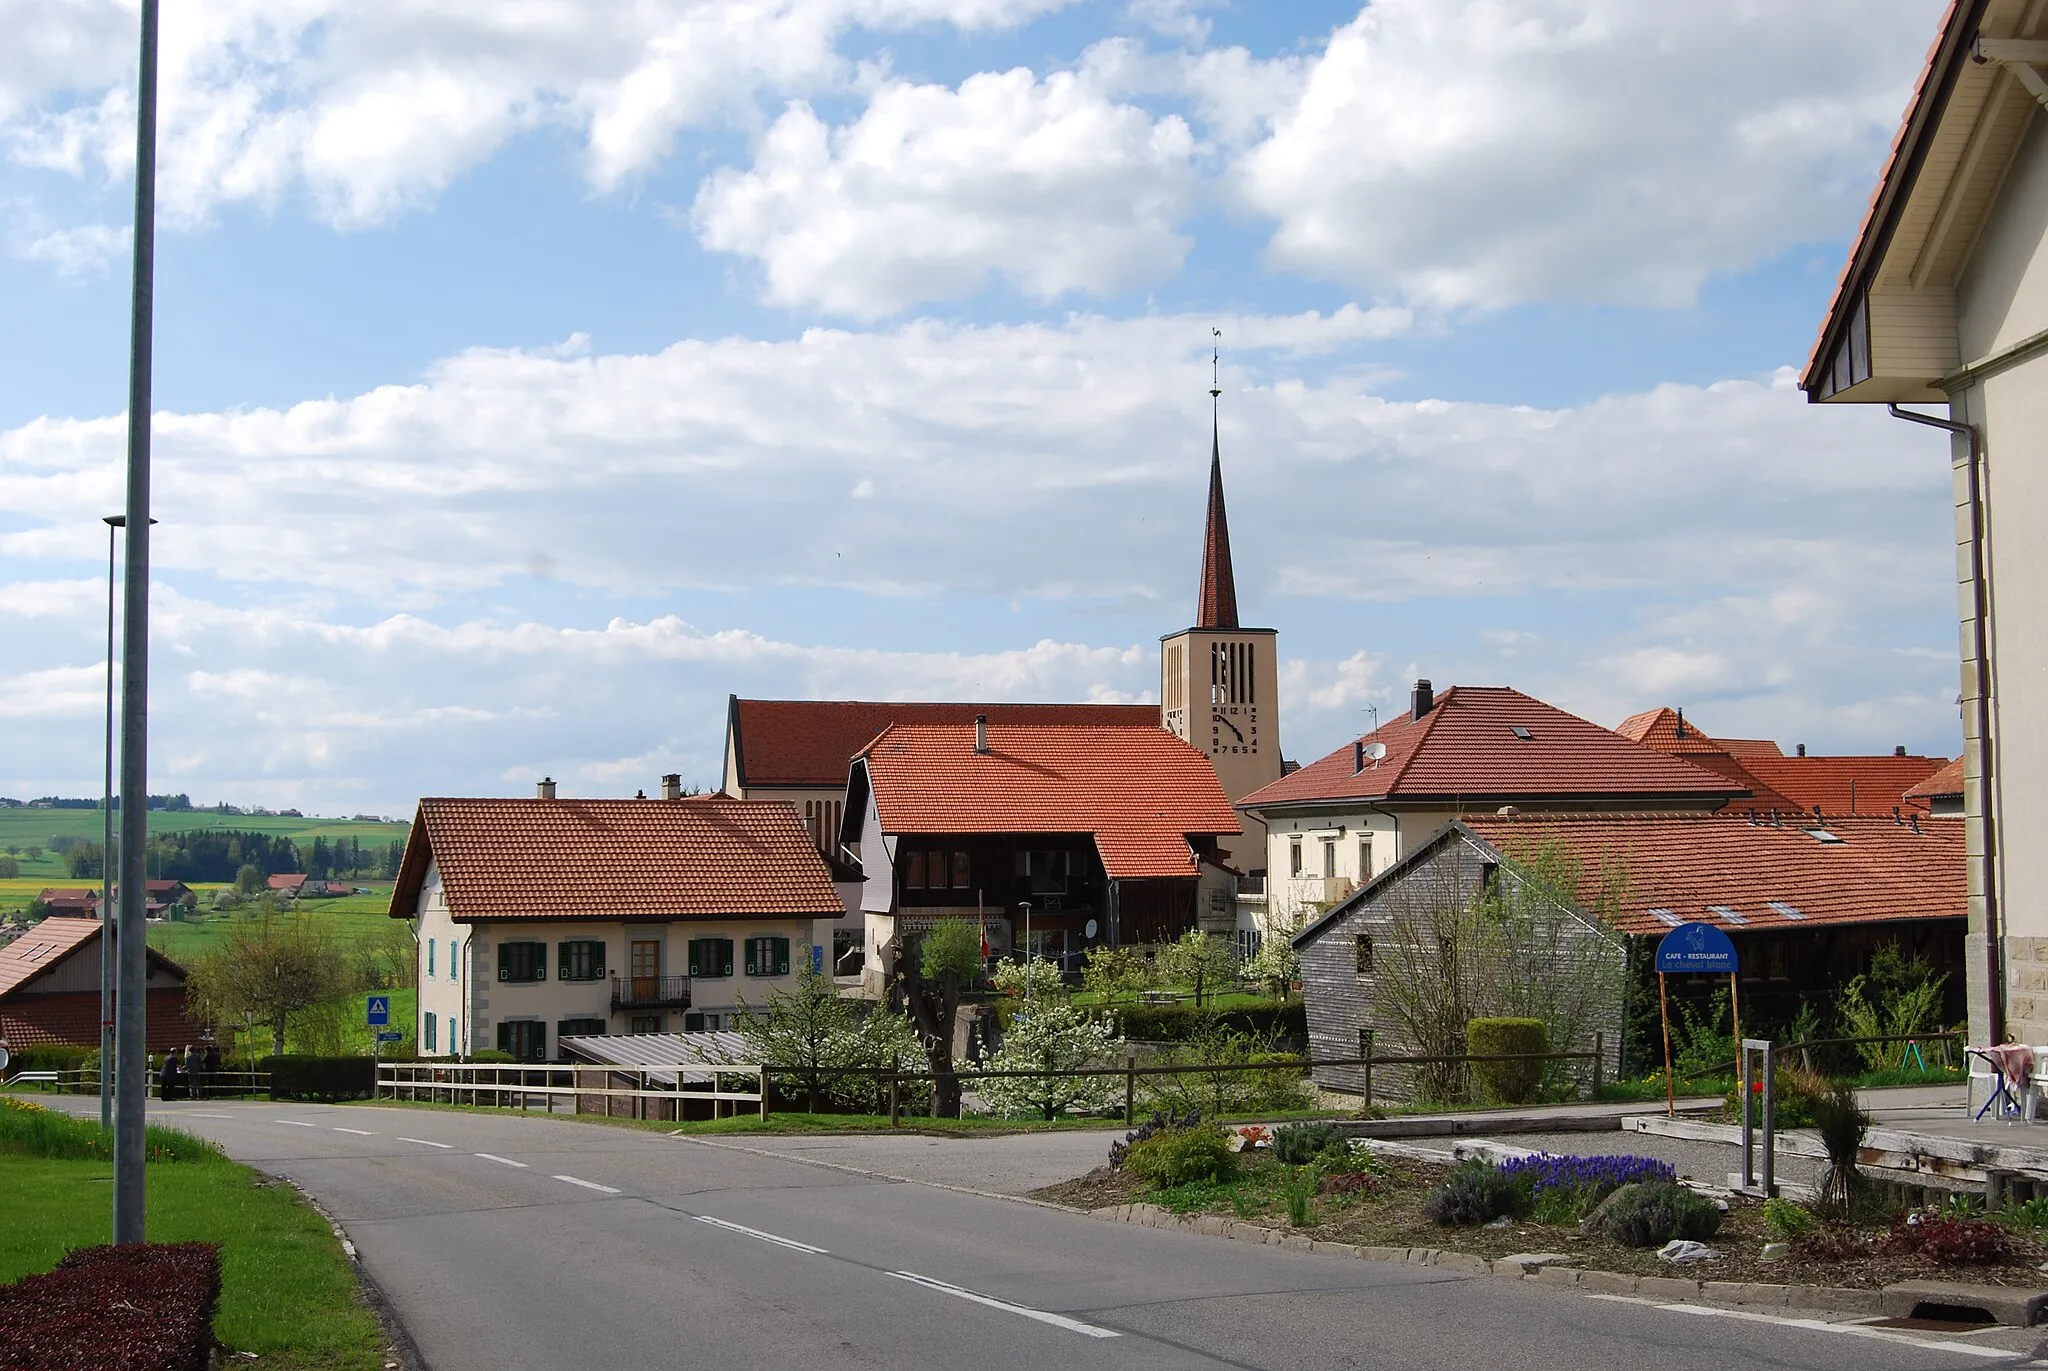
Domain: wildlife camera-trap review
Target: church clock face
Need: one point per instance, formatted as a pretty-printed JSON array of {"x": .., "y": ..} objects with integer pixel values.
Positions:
[{"x": 1234, "y": 729}]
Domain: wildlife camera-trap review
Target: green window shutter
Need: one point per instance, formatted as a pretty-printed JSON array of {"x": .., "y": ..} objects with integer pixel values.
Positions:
[
  {"x": 540, "y": 961},
  {"x": 753, "y": 956},
  {"x": 696, "y": 956},
  {"x": 539, "y": 1046},
  {"x": 563, "y": 971},
  {"x": 597, "y": 961},
  {"x": 504, "y": 961},
  {"x": 504, "y": 1037},
  {"x": 781, "y": 955},
  {"x": 724, "y": 948}
]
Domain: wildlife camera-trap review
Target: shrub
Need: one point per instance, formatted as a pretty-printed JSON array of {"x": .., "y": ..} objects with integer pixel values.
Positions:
[
  {"x": 1164, "y": 1023},
  {"x": 1506, "y": 1082},
  {"x": 1152, "y": 1127},
  {"x": 1786, "y": 1221},
  {"x": 1474, "y": 1193},
  {"x": 1232, "y": 1091},
  {"x": 1182, "y": 1156},
  {"x": 1299, "y": 1144},
  {"x": 1653, "y": 1213},
  {"x": 140, "y": 1308},
  {"x": 50, "y": 1057},
  {"x": 1792, "y": 1101},
  {"x": 1949, "y": 1242},
  {"x": 321, "y": 1078},
  {"x": 1842, "y": 1125},
  {"x": 1562, "y": 1190}
]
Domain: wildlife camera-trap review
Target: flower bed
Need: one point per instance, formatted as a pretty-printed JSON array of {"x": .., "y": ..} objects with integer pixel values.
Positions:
[
  {"x": 1536, "y": 1206},
  {"x": 136, "y": 1308}
]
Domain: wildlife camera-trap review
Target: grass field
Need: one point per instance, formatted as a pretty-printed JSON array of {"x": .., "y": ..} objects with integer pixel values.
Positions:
[
  {"x": 25, "y": 828},
  {"x": 288, "y": 1293}
]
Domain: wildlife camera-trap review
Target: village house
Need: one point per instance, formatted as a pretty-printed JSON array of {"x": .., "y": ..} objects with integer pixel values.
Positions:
[
  {"x": 550, "y": 918},
  {"x": 1942, "y": 793},
  {"x": 1873, "y": 784},
  {"x": 290, "y": 885},
  {"x": 50, "y": 989},
  {"x": 1944, "y": 301},
  {"x": 1053, "y": 839},
  {"x": 1805, "y": 906},
  {"x": 1346, "y": 817}
]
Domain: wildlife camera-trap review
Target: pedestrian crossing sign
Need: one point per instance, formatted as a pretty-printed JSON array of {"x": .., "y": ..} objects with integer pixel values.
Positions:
[{"x": 378, "y": 1011}]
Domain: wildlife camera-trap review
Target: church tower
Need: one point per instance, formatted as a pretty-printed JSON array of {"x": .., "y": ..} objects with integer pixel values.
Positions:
[{"x": 1218, "y": 681}]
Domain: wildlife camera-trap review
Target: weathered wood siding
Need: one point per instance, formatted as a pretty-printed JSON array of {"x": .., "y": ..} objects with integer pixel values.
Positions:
[{"x": 1341, "y": 1001}]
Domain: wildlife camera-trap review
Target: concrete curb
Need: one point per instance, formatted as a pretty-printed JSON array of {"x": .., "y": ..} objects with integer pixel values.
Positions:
[{"x": 1667, "y": 1289}]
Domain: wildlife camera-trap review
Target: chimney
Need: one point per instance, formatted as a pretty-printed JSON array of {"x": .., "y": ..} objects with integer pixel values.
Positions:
[
  {"x": 672, "y": 786},
  {"x": 545, "y": 790},
  {"x": 1423, "y": 698},
  {"x": 1800, "y": 748},
  {"x": 1358, "y": 756},
  {"x": 1899, "y": 751},
  {"x": 981, "y": 734},
  {"x": 1681, "y": 722}
]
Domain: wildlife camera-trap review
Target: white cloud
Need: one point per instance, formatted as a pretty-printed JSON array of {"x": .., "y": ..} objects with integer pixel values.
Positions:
[
  {"x": 84, "y": 250},
  {"x": 1492, "y": 152},
  {"x": 932, "y": 191},
  {"x": 375, "y": 108}
]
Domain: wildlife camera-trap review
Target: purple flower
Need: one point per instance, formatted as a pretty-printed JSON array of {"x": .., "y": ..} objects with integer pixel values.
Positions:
[{"x": 1594, "y": 1175}]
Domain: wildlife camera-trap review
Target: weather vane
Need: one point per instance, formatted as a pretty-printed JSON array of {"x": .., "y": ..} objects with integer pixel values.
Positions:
[{"x": 1216, "y": 364}]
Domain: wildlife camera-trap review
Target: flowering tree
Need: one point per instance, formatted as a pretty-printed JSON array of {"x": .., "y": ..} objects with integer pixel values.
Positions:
[
  {"x": 1201, "y": 960},
  {"x": 1041, "y": 978},
  {"x": 1115, "y": 973},
  {"x": 1276, "y": 963},
  {"x": 1053, "y": 1037}
]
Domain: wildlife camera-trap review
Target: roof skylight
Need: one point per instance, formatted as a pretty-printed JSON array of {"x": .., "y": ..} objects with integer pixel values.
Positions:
[
  {"x": 1779, "y": 906},
  {"x": 1667, "y": 916},
  {"x": 1724, "y": 912},
  {"x": 1521, "y": 732}
]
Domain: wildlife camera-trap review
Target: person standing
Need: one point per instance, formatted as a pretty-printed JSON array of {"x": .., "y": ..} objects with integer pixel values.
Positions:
[
  {"x": 195, "y": 1072},
  {"x": 167, "y": 1082},
  {"x": 211, "y": 1064}
]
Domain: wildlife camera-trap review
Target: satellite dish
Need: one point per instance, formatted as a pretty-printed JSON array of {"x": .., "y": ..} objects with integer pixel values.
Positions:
[
  {"x": 3, "y": 1059},
  {"x": 1089, "y": 931},
  {"x": 1375, "y": 751}
]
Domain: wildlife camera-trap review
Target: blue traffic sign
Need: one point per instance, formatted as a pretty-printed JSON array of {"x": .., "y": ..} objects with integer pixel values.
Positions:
[
  {"x": 1696, "y": 947},
  {"x": 377, "y": 1012},
  {"x": 390, "y": 1036}
]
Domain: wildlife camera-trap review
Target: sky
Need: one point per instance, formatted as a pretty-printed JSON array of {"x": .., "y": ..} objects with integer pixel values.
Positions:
[{"x": 531, "y": 377}]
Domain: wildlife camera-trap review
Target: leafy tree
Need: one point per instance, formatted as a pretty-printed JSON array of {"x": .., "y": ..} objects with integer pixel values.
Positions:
[
  {"x": 9, "y": 868},
  {"x": 1115, "y": 973},
  {"x": 388, "y": 957},
  {"x": 1276, "y": 964},
  {"x": 1899, "y": 997},
  {"x": 273, "y": 968},
  {"x": 82, "y": 862},
  {"x": 33, "y": 853},
  {"x": 249, "y": 880},
  {"x": 1199, "y": 960},
  {"x": 394, "y": 856},
  {"x": 1052, "y": 1037},
  {"x": 1039, "y": 977},
  {"x": 810, "y": 1029},
  {"x": 929, "y": 981}
]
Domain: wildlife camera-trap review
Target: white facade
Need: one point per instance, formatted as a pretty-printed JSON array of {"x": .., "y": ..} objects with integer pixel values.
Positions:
[{"x": 463, "y": 1002}]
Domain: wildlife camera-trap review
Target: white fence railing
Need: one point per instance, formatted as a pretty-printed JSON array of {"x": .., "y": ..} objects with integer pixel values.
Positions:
[{"x": 613, "y": 1091}]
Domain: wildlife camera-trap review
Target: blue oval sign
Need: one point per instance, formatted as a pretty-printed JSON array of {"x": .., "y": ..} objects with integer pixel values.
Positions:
[{"x": 1695, "y": 947}]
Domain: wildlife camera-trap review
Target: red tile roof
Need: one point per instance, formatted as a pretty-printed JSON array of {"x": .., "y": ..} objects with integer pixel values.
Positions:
[
  {"x": 42, "y": 947},
  {"x": 1843, "y": 785},
  {"x": 1466, "y": 748},
  {"x": 709, "y": 856},
  {"x": 1703, "y": 867},
  {"x": 289, "y": 882},
  {"x": 812, "y": 742},
  {"x": 1140, "y": 791},
  {"x": 1946, "y": 783}
]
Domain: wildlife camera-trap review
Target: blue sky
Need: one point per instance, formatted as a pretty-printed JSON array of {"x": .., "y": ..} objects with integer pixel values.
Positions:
[{"x": 528, "y": 380}]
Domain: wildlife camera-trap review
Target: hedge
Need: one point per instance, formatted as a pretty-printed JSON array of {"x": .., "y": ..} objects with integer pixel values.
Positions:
[
  {"x": 141, "y": 1307},
  {"x": 1172, "y": 1023},
  {"x": 1506, "y": 1082},
  {"x": 48, "y": 1057},
  {"x": 321, "y": 1078}
]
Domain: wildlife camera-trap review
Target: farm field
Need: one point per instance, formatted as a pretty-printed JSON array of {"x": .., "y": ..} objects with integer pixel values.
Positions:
[{"x": 350, "y": 918}]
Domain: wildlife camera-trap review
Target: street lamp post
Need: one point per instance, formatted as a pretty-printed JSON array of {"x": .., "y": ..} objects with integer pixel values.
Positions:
[
  {"x": 131, "y": 1089},
  {"x": 109, "y": 930},
  {"x": 1027, "y": 958}
]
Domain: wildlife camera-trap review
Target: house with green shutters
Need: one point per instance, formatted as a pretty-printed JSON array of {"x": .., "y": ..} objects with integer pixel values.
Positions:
[{"x": 549, "y": 918}]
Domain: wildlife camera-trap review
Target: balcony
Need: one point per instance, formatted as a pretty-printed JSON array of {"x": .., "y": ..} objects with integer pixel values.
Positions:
[
  {"x": 650, "y": 992},
  {"x": 1251, "y": 889}
]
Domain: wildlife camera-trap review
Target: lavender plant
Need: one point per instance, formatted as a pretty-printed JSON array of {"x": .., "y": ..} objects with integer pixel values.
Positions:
[{"x": 1563, "y": 1189}]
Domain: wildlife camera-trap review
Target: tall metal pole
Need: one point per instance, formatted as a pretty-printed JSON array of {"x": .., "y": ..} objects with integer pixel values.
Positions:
[
  {"x": 109, "y": 949},
  {"x": 132, "y": 1085}
]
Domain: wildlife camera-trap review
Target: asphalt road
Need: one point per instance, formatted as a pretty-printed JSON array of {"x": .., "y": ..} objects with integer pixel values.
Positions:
[{"x": 508, "y": 1243}]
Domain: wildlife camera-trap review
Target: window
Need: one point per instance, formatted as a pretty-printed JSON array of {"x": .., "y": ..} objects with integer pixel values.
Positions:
[
  {"x": 1249, "y": 941},
  {"x": 1329, "y": 858},
  {"x": 522, "y": 961},
  {"x": 644, "y": 1023},
  {"x": 1294, "y": 858},
  {"x": 433, "y": 1042},
  {"x": 430, "y": 959},
  {"x": 525, "y": 1039},
  {"x": 1489, "y": 877},
  {"x": 961, "y": 871},
  {"x": 913, "y": 871},
  {"x": 579, "y": 1028},
  {"x": 767, "y": 956},
  {"x": 580, "y": 959},
  {"x": 1364, "y": 944},
  {"x": 711, "y": 957},
  {"x": 703, "y": 1023},
  {"x": 1365, "y": 858}
]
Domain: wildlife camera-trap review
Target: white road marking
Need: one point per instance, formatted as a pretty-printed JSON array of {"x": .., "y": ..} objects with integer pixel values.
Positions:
[
  {"x": 588, "y": 1185},
  {"x": 295, "y": 1123},
  {"x": 195, "y": 1114},
  {"x": 502, "y": 1161},
  {"x": 1854, "y": 1330},
  {"x": 757, "y": 1233},
  {"x": 426, "y": 1142},
  {"x": 359, "y": 1132},
  {"x": 1056, "y": 1320}
]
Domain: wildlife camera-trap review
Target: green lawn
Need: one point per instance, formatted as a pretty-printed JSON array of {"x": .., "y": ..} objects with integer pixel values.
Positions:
[
  {"x": 350, "y": 918},
  {"x": 288, "y": 1293}
]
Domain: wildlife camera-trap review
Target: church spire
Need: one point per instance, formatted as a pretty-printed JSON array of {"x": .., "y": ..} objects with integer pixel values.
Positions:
[{"x": 1218, "y": 608}]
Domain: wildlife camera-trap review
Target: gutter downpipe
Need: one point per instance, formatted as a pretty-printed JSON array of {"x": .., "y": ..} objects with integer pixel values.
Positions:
[{"x": 1981, "y": 643}]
